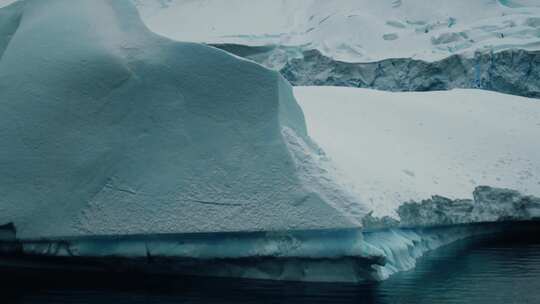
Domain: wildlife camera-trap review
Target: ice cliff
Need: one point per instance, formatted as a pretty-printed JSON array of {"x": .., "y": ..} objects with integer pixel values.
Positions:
[
  {"x": 109, "y": 129},
  {"x": 513, "y": 71}
]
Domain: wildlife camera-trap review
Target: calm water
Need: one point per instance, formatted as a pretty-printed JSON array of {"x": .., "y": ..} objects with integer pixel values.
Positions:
[{"x": 505, "y": 269}]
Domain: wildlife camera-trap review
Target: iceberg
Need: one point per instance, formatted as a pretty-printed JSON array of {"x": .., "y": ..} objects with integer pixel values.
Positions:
[
  {"x": 109, "y": 129},
  {"x": 512, "y": 71},
  {"x": 124, "y": 150}
]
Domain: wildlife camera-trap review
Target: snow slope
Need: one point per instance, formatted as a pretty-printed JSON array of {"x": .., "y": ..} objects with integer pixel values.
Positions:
[
  {"x": 109, "y": 129},
  {"x": 353, "y": 30},
  {"x": 397, "y": 147}
]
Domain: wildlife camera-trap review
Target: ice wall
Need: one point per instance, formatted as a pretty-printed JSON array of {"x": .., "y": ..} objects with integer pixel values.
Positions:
[
  {"x": 511, "y": 71},
  {"x": 109, "y": 129}
]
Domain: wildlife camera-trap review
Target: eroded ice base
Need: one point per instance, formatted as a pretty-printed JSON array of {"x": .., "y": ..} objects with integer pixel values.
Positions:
[{"x": 343, "y": 255}]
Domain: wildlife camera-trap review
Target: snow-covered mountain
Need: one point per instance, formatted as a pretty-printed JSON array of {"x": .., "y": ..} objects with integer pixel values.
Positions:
[{"x": 353, "y": 30}]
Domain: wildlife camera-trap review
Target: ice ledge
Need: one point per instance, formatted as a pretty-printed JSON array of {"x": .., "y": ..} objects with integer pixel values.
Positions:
[
  {"x": 488, "y": 205},
  {"x": 313, "y": 256},
  {"x": 385, "y": 246}
]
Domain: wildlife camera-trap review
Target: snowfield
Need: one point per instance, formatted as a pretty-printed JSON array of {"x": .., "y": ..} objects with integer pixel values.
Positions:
[
  {"x": 353, "y": 30},
  {"x": 397, "y": 147}
]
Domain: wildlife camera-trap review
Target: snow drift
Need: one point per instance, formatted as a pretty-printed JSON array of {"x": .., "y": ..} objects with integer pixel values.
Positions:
[{"x": 109, "y": 129}]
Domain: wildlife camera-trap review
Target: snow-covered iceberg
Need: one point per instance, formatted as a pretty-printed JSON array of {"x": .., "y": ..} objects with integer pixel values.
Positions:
[
  {"x": 126, "y": 150},
  {"x": 109, "y": 129}
]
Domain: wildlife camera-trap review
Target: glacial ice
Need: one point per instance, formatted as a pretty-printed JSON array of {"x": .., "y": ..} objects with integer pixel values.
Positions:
[
  {"x": 353, "y": 30},
  {"x": 421, "y": 45},
  {"x": 512, "y": 71},
  {"x": 489, "y": 205},
  {"x": 330, "y": 255},
  {"x": 107, "y": 128},
  {"x": 127, "y": 150}
]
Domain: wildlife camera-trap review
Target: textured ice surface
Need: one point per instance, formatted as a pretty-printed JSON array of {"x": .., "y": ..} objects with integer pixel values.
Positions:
[
  {"x": 107, "y": 128},
  {"x": 398, "y": 147},
  {"x": 353, "y": 30},
  {"x": 487, "y": 206},
  {"x": 509, "y": 71},
  {"x": 315, "y": 255},
  {"x": 337, "y": 255}
]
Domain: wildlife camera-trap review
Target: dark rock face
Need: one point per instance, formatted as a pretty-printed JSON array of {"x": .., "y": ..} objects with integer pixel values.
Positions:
[{"x": 512, "y": 71}]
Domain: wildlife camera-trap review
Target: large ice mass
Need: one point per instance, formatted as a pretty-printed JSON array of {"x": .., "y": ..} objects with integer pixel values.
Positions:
[
  {"x": 107, "y": 128},
  {"x": 117, "y": 144}
]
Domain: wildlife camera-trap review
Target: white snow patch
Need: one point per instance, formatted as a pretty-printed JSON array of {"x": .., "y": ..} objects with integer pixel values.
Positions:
[
  {"x": 352, "y": 30},
  {"x": 397, "y": 147}
]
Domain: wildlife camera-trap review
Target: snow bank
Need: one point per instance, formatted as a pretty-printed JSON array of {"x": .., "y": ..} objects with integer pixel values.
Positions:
[
  {"x": 109, "y": 129},
  {"x": 353, "y": 30},
  {"x": 398, "y": 147}
]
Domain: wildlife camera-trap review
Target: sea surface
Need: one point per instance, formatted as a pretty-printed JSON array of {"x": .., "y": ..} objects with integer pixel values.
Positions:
[{"x": 503, "y": 269}]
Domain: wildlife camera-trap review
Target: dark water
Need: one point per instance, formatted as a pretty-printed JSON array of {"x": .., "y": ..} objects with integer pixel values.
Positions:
[{"x": 505, "y": 269}]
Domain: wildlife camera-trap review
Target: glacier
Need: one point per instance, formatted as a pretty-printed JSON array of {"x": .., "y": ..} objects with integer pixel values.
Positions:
[
  {"x": 124, "y": 150},
  {"x": 353, "y": 30},
  {"x": 391, "y": 45}
]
